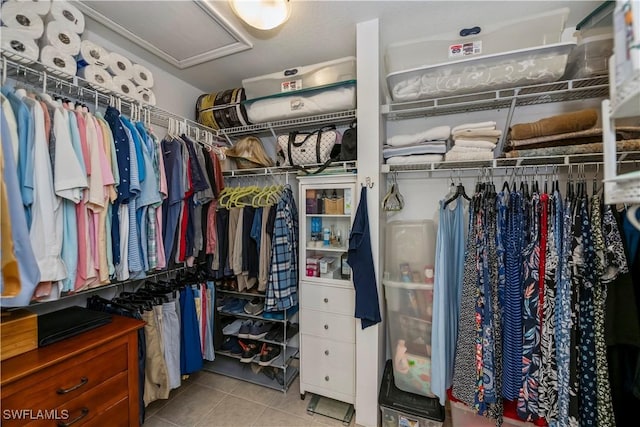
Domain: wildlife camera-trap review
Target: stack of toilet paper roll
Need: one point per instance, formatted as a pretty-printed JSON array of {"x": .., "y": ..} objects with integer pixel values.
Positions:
[
  {"x": 60, "y": 41},
  {"x": 22, "y": 26}
]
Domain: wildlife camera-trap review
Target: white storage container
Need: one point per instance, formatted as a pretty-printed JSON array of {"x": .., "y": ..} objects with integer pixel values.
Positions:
[
  {"x": 410, "y": 249},
  {"x": 511, "y": 53},
  {"x": 591, "y": 57},
  {"x": 297, "y": 78},
  {"x": 462, "y": 416}
]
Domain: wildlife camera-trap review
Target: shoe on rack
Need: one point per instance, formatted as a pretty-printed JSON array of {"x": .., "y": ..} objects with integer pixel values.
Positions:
[
  {"x": 254, "y": 307},
  {"x": 277, "y": 333},
  {"x": 235, "y": 305},
  {"x": 231, "y": 345},
  {"x": 233, "y": 328},
  {"x": 268, "y": 354},
  {"x": 232, "y": 284},
  {"x": 245, "y": 329},
  {"x": 222, "y": 285},
  {"x": 260, "y": 329},
  {"x": 250, "y": 350}
]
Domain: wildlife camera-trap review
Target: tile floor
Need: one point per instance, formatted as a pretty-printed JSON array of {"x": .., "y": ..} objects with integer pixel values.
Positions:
[{"x": 208, "y": 399}]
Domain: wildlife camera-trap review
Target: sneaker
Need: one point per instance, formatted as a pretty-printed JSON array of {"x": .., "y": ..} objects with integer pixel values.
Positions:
[
  {"x": 259, "y": 330},
  {"x": 268, "y": 354},
  {"x": 235, "y": 305},
  {"x": 250, "y": 350},
  {"x": 277, "y": 333},
  {"x": 245, "y": 329},
  {"x": 233, "y": 328},
  {"x": 231, "y": 345},
  {"x": 254, "y": 307}
]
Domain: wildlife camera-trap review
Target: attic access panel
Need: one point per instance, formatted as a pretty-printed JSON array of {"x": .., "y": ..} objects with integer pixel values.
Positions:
[{"x": 182, "y": 33}]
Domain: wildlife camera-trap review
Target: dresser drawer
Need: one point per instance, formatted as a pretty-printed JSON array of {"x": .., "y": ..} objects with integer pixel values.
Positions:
[
  {"x": 90, "y": 405},
  {"x": 60, "y": 383},
  {"x": 328, "y": 364},
  {"x": 328, "y": 325},
  {"x": 327, "y": 298},
  {"x": 116, "y": 416}
]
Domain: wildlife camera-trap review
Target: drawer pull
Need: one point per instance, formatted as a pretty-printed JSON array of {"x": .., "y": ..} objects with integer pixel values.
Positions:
[
  {"x": 326, "y": 326},
  {"x": 85, "y": 412},
  {"x": 326, "y": 300},
  {"x": 82, "y": 382},
  {"x": 326, "y": 378},
  {"x": 326, "y": 352}
]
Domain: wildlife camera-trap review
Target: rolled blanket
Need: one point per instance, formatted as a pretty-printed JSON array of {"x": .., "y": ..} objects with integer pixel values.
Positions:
[
  {"x": 562, "y": 123},
  {"x": 573, "y": 138},
  {"x": 477, "y": 133},
  {"x": 596, "y": 147},
  {"x": 415, "y": 159},
  {"x": 466, "y": 155},
  {"x": 479, "y": 125},
  {"x": 433, "y": 134},
  {"x": 473, "y": 143}
]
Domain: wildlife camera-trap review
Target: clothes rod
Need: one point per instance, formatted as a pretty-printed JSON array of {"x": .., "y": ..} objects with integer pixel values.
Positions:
[{"x": 37, "y": 76}]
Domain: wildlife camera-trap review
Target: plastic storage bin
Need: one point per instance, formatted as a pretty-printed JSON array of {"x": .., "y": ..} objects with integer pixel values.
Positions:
[
  {"x": 297, "y": 78},
  {"x": 410, "y": 249},
  {"x": 490, "y": 57},
  {"x": 402, "y": 409}
]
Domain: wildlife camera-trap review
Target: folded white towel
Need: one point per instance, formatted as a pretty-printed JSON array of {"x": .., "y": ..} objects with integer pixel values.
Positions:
[
  {"x": 474, "y": 144},
  {"x": 477, "y": 138},
  {"x": 416, "y": 159},
  {"x": 468, "y": 133},
  {"x": 426, "y": 148},
  {"x": 469, "y": 155},
  {"x": 460, "y": 149},
  {"x": 479, "y": 125},
  {"x": 433, "y": 134}
]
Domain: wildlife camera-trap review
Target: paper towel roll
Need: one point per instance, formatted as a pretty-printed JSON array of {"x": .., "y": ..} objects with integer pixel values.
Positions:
[
  {"x": 147, "y": 96},
  {"x": 118, "y": 65},
  {"x": 23, "y": 16},
  {"x": 142, "y": 76},
  {"x": 125, "y": 87},
  {"x": 60, "y": 36},
  {"x": 97, "y": 77},
  {"x": 57, "y": 62},
  {"x": 67, "y": 13},
  {"x": 19, "y": 46},
  {"x": 41, "y": 7},
  {"x": 92, "y": 54}
]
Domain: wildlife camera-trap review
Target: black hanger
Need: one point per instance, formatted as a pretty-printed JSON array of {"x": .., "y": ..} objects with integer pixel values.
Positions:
[{"x": 460, "y": 191}]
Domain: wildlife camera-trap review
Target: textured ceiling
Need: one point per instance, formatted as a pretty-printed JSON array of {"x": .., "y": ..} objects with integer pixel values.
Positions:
[{"x": 316, "y": 31}]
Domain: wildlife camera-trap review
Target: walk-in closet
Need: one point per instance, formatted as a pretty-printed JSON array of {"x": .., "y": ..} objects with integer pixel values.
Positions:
[{"x": 301, "y": 213}]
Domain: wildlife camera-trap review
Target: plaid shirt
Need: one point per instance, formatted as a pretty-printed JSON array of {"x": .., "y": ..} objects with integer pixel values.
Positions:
[{"x": 282, "y": 287}]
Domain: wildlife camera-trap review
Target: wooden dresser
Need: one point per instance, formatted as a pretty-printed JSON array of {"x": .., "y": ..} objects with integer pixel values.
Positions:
[{"x": 90, "y": 379}]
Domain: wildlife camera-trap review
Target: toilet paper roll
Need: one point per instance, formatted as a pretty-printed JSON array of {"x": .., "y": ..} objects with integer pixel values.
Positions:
[
  {"x": 142, "y": 76},
  {"x": 92, "y": 54},
  {"x": 41, "y": 7},
  {"x": 68, "y": 14},
  {"x": 19, "y": 46},
  {"x": 118, "y": 65},
  {"x": 97, "y": 77},
  {"x": 147, "y": 96},
  {"x": 22, "y": 15},
  {"x": 125, "y": 87},
  {"x": 60, "y": 36},
  {"x": 57, "y": 62}
]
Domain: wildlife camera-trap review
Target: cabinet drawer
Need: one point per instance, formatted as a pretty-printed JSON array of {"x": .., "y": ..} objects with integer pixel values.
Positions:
[
  {"x": 327, "y": 298},
  {"x": 328, "y": 364},
  {"x": 328, "y": 325},
  {"x": 63, "y": 382},
  {"x": 89, "y": 405},
  {"x": 116, "y": 416}
]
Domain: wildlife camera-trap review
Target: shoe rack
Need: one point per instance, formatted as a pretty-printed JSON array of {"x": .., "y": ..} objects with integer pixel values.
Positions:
[{"x": 279, "y": 374}]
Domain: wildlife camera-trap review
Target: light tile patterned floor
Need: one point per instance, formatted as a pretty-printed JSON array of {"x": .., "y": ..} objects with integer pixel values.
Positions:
[{"x": 207, "y": 399}]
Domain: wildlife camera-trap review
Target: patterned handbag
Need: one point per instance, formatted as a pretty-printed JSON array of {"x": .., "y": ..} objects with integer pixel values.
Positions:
[{"x": 307, "y": 148}]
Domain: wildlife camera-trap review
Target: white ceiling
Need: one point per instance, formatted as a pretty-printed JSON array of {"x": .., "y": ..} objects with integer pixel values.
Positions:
[{"x": 178, "y": 34}]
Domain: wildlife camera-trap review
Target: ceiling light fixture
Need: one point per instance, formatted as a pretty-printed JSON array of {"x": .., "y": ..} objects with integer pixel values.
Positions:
[{"x": 262, "y": 14}]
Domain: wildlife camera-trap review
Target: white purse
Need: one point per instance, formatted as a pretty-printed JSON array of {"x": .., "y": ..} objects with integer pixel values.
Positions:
[{"x": 307, "y": 148}]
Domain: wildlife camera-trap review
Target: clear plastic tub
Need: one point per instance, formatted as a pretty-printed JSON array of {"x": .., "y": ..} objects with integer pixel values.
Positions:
[
  {"x": 297, "y": 78},
  {"x": 410, "y": 250},
  {"x": 591, "y": 57},
  {"x": 409, "y": 314}
]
